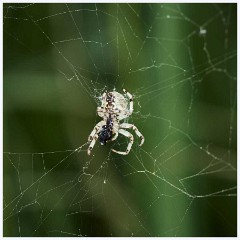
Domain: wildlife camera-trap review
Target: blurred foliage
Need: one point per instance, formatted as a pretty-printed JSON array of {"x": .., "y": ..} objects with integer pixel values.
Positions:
[{"x": 58, "y": 58}]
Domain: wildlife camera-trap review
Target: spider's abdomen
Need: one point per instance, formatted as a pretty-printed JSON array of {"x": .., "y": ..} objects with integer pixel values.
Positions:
[
  {"x": 113, "y": 103},
  {"x": 119, "y": 101}
]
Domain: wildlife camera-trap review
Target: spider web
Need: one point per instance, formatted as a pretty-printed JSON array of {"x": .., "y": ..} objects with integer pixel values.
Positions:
[{"x": 178, "y": 61}]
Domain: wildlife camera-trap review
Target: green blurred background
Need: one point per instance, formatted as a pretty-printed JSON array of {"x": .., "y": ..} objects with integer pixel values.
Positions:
[{"x": 178, "y": 61}]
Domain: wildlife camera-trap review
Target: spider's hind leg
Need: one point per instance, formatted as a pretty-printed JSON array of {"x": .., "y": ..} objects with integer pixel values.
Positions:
[
  {"x": 128, "y": 135},
  {"x": 115, "y": 137},
  {"x": 128, "y": 125}
]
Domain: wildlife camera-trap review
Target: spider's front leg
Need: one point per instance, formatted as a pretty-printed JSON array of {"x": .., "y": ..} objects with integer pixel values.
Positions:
[{"x": 94, "y": 136}]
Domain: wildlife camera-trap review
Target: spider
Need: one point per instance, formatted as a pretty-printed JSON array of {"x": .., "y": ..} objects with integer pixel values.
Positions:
[{"x": 114, "y": 108}]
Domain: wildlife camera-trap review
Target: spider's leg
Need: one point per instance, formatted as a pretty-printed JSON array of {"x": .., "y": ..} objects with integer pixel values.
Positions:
[
  {"x": 92, "y": 144},
  {"x": 115, "y": 129},
  {"x": 95, "y": 130},
  {"x": 115, "y": 137},
  {"x": 130, "y": 100},
  {"x": 128, "y": 135},
  {"x": 128, "y": 125},
  {"x": 94, "y": 136}
]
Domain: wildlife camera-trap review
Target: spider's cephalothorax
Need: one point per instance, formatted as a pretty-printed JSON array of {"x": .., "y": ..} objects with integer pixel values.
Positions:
[{"x": 114, "y": 108}]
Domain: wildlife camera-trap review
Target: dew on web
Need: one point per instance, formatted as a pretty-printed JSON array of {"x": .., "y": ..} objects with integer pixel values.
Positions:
[{"x": 178, "y": 61}]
